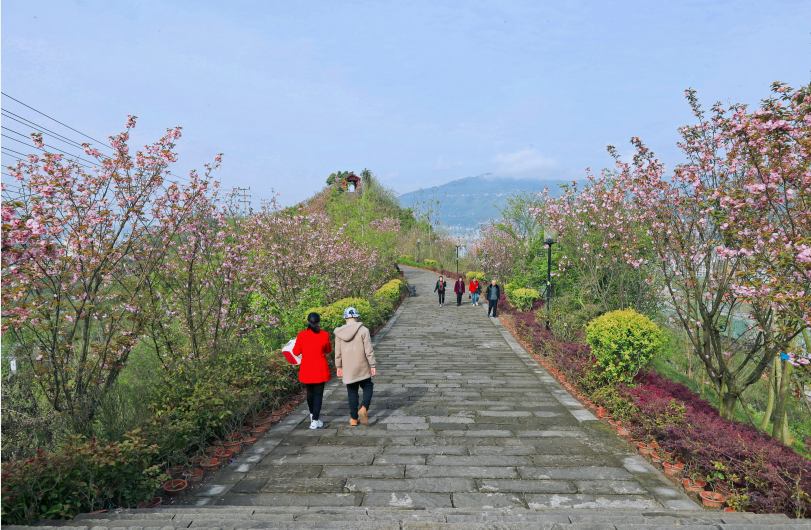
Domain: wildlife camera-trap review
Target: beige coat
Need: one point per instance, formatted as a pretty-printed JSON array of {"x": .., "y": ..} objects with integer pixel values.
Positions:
[{"x": 353, "y": 352}]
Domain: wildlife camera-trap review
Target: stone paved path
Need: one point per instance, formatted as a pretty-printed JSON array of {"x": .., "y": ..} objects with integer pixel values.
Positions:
[{"x": 462, "y": 417}]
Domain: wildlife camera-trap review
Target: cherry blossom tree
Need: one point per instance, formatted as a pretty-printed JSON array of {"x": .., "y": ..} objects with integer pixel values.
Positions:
[{"x": 78, "y": 248}]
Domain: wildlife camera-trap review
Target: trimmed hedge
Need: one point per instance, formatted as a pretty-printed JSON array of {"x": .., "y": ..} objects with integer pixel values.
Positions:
[
  {"x": 624, "y": 341},
  {"x": 431, "y": 263},
  {"x": 523, "y": 299},
  {"x": 478, "y": 275}
]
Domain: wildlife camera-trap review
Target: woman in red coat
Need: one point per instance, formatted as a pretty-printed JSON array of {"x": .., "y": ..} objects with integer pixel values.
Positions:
[{"x": 313, "y": 345}]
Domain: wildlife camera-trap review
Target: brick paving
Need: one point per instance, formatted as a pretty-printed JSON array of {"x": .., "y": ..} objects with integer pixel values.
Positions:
[{"x": 462, "y": 417}]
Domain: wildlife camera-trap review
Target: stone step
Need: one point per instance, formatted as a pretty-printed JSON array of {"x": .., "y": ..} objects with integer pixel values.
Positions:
[{"x": 292, "y": 518}]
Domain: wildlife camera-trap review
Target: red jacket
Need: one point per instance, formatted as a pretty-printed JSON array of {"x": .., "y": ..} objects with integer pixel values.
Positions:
[
  {"x": 313, "y": 348},
  {"x": 459, "y": 288},
  {"x": 474, "y": 285}
]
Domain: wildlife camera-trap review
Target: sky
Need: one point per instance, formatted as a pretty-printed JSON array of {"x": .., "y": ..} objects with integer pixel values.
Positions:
[{"x": 421, "y": 93}]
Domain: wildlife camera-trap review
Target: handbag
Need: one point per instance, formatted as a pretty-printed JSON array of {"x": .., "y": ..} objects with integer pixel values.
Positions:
[{"x": 291, "y": 357}]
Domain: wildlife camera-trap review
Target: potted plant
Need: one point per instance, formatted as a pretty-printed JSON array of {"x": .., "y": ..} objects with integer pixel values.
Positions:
[
  {"x": 175, "y": 486},
  {"x": 712, "y": 499},
  {"x": 643, "y": 448},
  {"x": 210, "y": 464},
  {"x": 673, "y": 468}
]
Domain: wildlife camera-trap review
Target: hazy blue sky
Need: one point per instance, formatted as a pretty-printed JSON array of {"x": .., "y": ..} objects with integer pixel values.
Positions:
[{"x": 419, "y": 92}]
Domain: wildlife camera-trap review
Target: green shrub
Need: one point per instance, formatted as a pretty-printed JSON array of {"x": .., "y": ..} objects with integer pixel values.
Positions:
[
  {"x": 510, "y": 287},
  {"x": 523, "y": 298},
  {"x": 478, "y": 275},
  {"x": 431, "y": 262},
  {"x": 391, "y": 290},
  {"x": 568, "y": 317},
  {"x": 82, "y": 476},
  {"x": 406, "y": 257},
  {"x": 623, "y": 342},
  {"x": 332, "y": 316}
]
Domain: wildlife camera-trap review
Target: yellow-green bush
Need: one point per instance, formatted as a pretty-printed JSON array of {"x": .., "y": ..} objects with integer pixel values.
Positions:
[
  {"x": 510, "y": 287},
  {"x": 478, "y": 275},
  {"x": 407, "y": 257},
  {"x": 431, "y": 262},
  {"x": 523, "y": 298},
  {"x": 332, "y": 316},
  {"x": 391, "y": 290},
  {"x": 623, "y": 342}
]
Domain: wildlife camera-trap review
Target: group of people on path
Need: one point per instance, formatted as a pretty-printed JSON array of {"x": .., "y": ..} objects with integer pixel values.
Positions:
[
  {"x": 354, "y": 360},
  {"x": 354, "y": 355},
  {"x": 492, "y": 294}
]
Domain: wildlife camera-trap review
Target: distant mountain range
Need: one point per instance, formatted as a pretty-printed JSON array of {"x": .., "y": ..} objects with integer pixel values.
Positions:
[{"x": 469, "y": 201}]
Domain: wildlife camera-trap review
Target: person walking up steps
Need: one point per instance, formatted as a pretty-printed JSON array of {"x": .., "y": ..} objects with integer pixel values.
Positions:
[
  {"x": 475, "y": 289},
  {"x": 492, "y": 295},
  {"x": 459, "y": 289},
  {"x": 440, "y": 288},
  {"x": 355, "y": 361},
  {"x": 313, "y": 345}
]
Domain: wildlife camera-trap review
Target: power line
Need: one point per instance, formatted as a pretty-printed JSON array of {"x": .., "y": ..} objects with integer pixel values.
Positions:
[
  {"x": 54, "y": 119},
  {"x": 43, "y": 150},
  {"x": 47, "y": 145},
  {"x": 40, "y": 128}
]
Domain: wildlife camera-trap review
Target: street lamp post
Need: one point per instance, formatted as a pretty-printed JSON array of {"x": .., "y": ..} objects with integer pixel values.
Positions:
[
  {"x": 457, "y": 258},
  {"x": 418, "y": 251},
  {"x": 549, "y": 237}
]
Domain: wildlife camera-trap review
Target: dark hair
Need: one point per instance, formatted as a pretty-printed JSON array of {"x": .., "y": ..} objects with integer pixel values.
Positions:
[{"x": 313, "y": 321}]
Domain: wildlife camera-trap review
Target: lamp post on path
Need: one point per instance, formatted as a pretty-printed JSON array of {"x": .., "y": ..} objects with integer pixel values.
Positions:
[
  {"x": 418, "y": 251},
  {"x": 549, "y": 238},
  {"x": 457, "y": 257}
]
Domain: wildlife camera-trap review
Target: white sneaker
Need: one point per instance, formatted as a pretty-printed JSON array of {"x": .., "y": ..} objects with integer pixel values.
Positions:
[
  {"x": 320, "y": 424},
  {"x": 315, "y": 424},
  {"x": 311, "y": 418}
]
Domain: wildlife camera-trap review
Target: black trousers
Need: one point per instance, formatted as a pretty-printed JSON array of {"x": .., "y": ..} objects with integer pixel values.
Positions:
[
  {"x": 315, "y": 395},
  {"x": 352, "y": 391},
  {"x": 458, "y": 298},
  {"x": 493, "y": 306},
  {"x": 441, "y": 297}
]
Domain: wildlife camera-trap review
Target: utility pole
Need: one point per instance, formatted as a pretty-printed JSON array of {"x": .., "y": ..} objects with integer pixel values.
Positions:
[{"x": 246, "y": 200}]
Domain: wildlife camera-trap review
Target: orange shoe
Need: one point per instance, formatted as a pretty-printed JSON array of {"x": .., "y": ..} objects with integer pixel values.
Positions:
[
  {"x": 363, "y": 415},
  {"x": 353, "y": 423}
]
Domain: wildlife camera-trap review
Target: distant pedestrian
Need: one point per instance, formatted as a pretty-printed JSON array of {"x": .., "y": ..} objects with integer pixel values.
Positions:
[
  {"x": 441, "y": 284},
  {"x": 492, "y": 295},
  {"x": 355, "y": 361},
  {"x": 475, "y": 289},
  {"x": 459, "y": 289},
  {"x": 313, "y": 345}
]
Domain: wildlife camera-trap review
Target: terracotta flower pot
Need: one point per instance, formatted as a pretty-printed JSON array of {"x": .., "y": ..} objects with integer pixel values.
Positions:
[
  {"x": 622, "y": 431},
  {"x": 656, "y": 457},
  {"x": 257, "y": 432},
  {"x": 210, "y": 464},
  {"x": 105, "y": 511},
  {"x": 653, "y": 445},
  {"x": 176, "y": 471},
  {"x": 192, "y": 477},
  {"x": 691, "y": 486},
  {"x": 151, "y": 503},
  {"x": 234, "y": 448},
  {"x": 672, "y": 468},
  {"x": 218, "y": 443},
  {"x": 250, "y": 440},
  {"x": 723, "y": 488},
  {"x": 224, "y": 454},
  {"x": 729, "y": 509},
  {"x": 712, "y": 499},
  {"x": 175, "y": 486},
  {"x": 643, "y": 448},
  {"x": 211, "y": 451}
]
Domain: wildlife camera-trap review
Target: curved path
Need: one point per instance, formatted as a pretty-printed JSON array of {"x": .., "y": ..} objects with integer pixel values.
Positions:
[{"x": 461, "y": 417}]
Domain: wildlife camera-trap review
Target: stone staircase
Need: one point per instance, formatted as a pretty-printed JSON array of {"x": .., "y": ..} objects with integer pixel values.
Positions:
[{"x": 359, "y": 518}]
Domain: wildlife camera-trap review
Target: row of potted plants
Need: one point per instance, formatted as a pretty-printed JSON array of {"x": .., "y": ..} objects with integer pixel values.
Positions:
[{"x": 221, "y": 453}]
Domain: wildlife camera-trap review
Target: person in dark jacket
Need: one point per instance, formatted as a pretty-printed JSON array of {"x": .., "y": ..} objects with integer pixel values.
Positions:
[
  {"x": 492, "y": 296},
  {"x": 459, "y": 289},
  {"x": 313, "y": 345},
  {"x": 441, "y": 284}
]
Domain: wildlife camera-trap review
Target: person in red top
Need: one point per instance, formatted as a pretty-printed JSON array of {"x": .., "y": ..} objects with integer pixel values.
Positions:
[
  {"x": 459, "y": 289},
  {"x": 474, "y": 289},
  {"x": 313, "y": 345}
]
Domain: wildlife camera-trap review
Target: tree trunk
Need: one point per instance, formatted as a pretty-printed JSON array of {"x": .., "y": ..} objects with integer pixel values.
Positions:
[
  {"x": 764, "y": 424},
  {"x": 779, "y": 428},
  {"x": 728, "y": 402}
]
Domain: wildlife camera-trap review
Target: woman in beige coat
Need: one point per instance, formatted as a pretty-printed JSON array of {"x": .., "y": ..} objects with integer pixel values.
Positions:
[{"x": 355, "y": 361}]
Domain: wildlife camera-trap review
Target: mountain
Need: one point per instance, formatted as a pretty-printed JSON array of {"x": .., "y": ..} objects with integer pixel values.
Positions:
[{"x": 469, "y": 201}]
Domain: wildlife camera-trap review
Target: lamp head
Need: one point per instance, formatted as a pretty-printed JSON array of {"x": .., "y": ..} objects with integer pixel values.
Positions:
[{"x": 550, "y": 235}]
